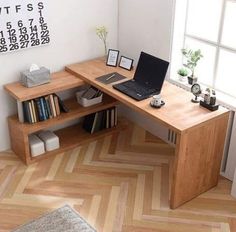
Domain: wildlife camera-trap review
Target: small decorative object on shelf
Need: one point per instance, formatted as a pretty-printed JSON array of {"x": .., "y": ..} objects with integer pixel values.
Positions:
[
  {"x": 196, "y": 91},
  {"x": 102, "y": 34},
  {"x": 192, "y": 60},
  {"x": 156, "y": 101},
  {"x": 112, "y": 57},
  {"x": 89, "y": 97},
  {"x": 35, "y": 76},
  {"x": 209, "y": 101},
  {"x": 183, "y": 73},
  {"x": 126, "y": 63}
]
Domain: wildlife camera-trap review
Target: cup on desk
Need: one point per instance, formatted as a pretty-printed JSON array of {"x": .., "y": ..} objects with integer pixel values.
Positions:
[{"x": 156, "y": 101}]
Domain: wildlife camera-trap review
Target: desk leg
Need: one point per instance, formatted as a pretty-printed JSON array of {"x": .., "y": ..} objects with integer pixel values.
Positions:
[{"x": 198, "y": 157}]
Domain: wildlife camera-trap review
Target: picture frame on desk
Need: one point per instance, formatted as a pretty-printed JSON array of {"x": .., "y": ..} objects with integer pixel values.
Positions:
[
  {"x": 112, "y": 57},
  {"x": 126, "y": 63}
]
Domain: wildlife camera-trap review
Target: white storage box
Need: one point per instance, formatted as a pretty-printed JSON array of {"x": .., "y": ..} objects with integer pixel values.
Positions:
[
  {"x": 51, "y": 141},
  {"x": 87, "y": 102},
  {"x": 36, "y": 145}
]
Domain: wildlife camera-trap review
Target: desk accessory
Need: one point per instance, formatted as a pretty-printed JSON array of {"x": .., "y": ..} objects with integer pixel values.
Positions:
[
  {"x": 126, "y": 63},
  {"x": 51, "y": 141},
  {"x": 182, "y": 73},
  {"x": 35, "y": 76},
  {"x": 36, "y": 145},
  {"x": 89, "y": 97},
  {"x": 209, "y": 100},
  {"x": 102, "y": 34},
  {"x": 192, "y": 59},
  {"x": 196, "y": 91},
  {"x": 112, "y": 57},
  {"x": 110, "y": 78},
  {"x": 156, "y": 101}
]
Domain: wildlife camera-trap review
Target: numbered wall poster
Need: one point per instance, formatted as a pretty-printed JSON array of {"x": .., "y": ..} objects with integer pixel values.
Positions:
[{"x": 23, "y": 24}]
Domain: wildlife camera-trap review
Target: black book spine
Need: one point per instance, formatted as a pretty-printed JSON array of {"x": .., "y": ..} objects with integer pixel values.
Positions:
[
  {"x": 62, "y": 106},
  {"x": 26, "y": 112},
  {"x": 39, "y": 109}
]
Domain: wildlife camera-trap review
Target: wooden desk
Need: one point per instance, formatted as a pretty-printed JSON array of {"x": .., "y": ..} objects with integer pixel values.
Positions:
[{"x": 200, "y": 134}]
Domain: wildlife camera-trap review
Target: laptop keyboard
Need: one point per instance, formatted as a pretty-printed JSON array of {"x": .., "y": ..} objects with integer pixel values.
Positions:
[{"x": 138, "y": 88}]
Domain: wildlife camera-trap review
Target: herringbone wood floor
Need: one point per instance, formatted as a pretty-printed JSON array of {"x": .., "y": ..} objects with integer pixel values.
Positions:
[{"x": 117, "y": 183}]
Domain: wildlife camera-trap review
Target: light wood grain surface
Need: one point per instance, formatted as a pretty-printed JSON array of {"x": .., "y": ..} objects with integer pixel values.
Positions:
[
  {"x": 178, "y": 113},
  {"x": 200, "y": 133},
  {"x": 60, "y": 81},
  {"x": 117, "y": 182}
]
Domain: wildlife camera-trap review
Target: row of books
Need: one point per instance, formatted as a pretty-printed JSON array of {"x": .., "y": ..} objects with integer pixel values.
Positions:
[
  {"x": 100, "y": 120},
  {"x": 43, "y": 108}
]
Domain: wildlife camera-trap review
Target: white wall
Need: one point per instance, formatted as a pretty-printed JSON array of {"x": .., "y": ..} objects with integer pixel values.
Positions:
[
  {"x": 145, "y": 25},
  {"x": 73, "y": 39}
]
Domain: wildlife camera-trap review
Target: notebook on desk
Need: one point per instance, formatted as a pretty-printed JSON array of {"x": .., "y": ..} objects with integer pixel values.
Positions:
[{"x": 148, "y": 78}]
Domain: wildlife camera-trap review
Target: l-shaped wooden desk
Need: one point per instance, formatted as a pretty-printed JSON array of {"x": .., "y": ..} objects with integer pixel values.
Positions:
[{"x": 200, "y": 134}]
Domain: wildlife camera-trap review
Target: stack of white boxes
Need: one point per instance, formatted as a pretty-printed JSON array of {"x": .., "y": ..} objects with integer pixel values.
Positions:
[{"x": 43, "y": 142}]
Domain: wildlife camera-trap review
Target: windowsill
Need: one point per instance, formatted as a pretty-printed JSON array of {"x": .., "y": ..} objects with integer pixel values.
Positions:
[{"x": 222, "y": 99}]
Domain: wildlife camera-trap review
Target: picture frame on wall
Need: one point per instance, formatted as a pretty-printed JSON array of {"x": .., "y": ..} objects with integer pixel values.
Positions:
[
  {"x": 112, "y": 57},
  {"x": 126, "y": 63}
]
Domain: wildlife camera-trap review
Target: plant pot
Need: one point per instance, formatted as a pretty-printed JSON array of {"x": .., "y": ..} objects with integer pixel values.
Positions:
[
  {"x": 182, "y": 78},
  {"x": 192, "y": 80}
]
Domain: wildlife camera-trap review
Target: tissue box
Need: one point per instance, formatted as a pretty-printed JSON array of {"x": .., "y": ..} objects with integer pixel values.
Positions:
[
  {"x": 36, "y": 146},
  {"x": 35, "y": 78},
  {"x": 51, "y": 141}
]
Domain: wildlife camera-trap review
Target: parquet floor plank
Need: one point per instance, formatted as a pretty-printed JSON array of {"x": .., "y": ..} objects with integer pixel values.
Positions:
[{"x": 120, "y": 183}]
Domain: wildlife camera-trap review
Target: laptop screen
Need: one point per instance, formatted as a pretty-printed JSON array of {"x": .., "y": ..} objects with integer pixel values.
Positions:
[{"x": 151, "y": 71}]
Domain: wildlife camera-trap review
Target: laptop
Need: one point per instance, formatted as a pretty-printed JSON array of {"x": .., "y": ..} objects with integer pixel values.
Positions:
[{"x": 148, "y": 78}]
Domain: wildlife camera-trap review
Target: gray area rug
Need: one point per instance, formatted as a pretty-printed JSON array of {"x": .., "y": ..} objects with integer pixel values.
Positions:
[{"x": 64, "y": 219}]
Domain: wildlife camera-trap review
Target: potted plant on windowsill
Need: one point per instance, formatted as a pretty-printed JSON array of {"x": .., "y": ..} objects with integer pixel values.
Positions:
[
  {"x": 192, "y": 60},
  {"x": 183, "y": 73}
]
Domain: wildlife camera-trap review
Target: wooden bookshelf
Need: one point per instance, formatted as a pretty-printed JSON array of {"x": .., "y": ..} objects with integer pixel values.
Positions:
[
  {"x": 60, "y": 81},
  {"x": 70, "y": 137},
  {"x": 73, "y": 136},
  {"x": 75, "y": 111}
]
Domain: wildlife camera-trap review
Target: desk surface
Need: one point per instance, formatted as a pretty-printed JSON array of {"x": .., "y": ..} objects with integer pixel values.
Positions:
[{"x": 179, "y": 113}]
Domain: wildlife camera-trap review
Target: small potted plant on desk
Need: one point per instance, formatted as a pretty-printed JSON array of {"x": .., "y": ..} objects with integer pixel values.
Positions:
[
  {"x": 183, "y": 73},
  {"x": 192, "y": 60}
]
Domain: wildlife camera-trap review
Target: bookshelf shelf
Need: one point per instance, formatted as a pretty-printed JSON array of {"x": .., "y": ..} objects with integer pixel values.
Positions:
[
  {"x": 74, "y": 136},
  {"x": 60, "y": 81},
  {"x": 75, "y": 111},
  {"x": 71, "y": 136}
]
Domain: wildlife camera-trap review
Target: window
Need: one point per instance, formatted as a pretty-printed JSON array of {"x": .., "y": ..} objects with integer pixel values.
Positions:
[{"x": 208, "y": 25}]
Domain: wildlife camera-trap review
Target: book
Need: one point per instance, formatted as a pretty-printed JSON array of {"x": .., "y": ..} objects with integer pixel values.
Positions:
[
  {"x": 20, "y": 110},
  {"x": 112, "y": 113},
  {"x": 43, "y": 108},
  {"x": 98, "y": 121},
  {"x": 26, "y": 111},
  {"x": 94, "y": 123},
  {"x": 62, "y": 106},
  {"x": 88, "y": 122},
  {"x": 116, "y": 116},
  {"x": 56, "y": 102},
  {"x": 48, "y": 106},
  {"x": 107, "y": 119},
  {"x": 39, "y": 109},
  {"x": 52, "y": 105},
  {"x": 31, "y": 112}
]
